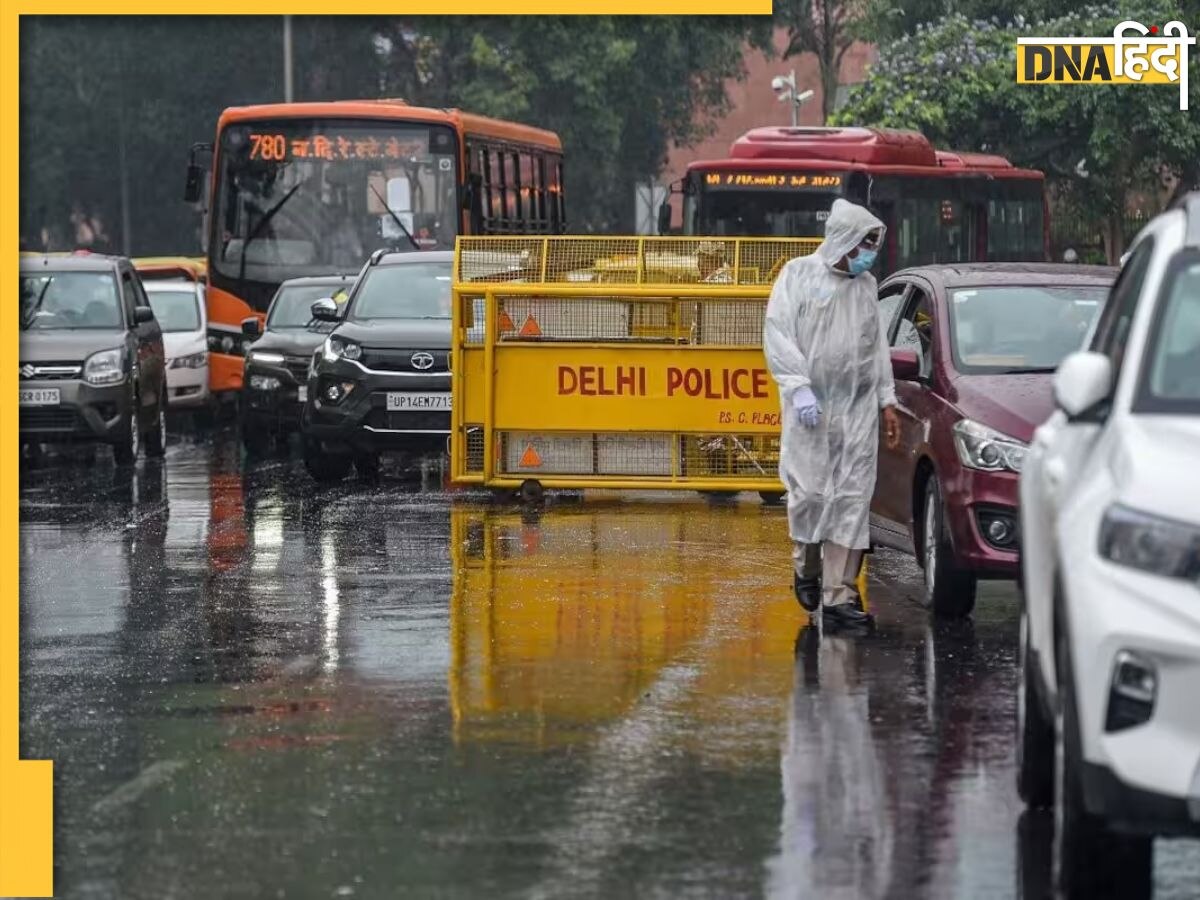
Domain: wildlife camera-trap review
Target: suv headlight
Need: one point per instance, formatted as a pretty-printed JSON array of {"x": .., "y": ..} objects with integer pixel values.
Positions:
[
  {"x": 266, "y": 357},
  {"x": 1152, "y": 544},
  {"x": 980, "y": 447},
  {"x": 105, "y": 367},
  {"x": 191, "y": 361},
  {"x": 339, "y": 348}
]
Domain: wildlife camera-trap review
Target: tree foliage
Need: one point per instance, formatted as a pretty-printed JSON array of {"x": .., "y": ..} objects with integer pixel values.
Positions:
[
  {"x": 954, "y": 81},
  {"x": 109, "y": 107}
]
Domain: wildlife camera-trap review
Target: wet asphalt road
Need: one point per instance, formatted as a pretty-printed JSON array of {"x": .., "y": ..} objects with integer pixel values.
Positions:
[{"x": 255, "y": 688}]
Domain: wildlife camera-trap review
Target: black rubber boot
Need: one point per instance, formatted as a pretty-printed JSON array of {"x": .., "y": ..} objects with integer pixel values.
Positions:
[
  {"x": 808, "y": 592},
  {"x": 846, "y": 615}
]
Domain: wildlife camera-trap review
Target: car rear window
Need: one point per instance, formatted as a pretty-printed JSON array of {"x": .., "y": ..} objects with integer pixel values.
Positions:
[
  {"x": 293, "y": 307},
  {"x": 408, "y": 291},
  {"x": 175, "y": 310}
]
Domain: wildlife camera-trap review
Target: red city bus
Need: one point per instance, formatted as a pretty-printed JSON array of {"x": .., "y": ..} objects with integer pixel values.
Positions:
[
  {"x": 302, "y": 189},
  {"x": 939, "y": 206}
]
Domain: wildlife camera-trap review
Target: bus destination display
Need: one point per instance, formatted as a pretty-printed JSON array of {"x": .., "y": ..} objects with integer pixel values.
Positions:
[
  {"x": 278, "y": 147},
  {"x": 771, "y": 181}
]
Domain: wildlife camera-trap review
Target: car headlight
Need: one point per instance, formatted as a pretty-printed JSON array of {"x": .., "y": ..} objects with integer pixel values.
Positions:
[
  {"x": 1152, "y": 544},
  {"x": 191, "y": 361},
  {"x": 266, "y": 358},
  {"x": 105, "y": 367},
  {"x": 264, "y": 383},
  {"x": 338, "y": 348},
  {"x": 980, "y": 447}
]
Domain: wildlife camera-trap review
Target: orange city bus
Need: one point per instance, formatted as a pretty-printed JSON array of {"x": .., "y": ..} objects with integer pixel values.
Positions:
[{"x": 302, "y": 189}]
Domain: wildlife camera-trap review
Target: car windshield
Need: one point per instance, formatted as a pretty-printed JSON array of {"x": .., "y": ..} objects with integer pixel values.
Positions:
[
  {"x": 59, "y": 300},
  {"x": 1172, "y": 373},
  {"x": 409, "y": 291},
  {"x": 1020, "y": 328},
  {"x": 293, "y": 305},
  {"x": 303, "y": 197},
  {"x": 176, "y": 310}
]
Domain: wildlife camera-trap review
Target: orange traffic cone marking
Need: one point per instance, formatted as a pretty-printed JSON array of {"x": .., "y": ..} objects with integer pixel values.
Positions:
[
  {"x": 530, "y": 459},
  {"x": 530, "y": 328}
]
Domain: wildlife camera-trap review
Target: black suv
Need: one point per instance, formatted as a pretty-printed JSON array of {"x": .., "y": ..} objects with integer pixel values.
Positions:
[
  {"x": 92, "y": 362},
  {"x": 381, "y": 380},
  {"x": 274, "y": 387}
]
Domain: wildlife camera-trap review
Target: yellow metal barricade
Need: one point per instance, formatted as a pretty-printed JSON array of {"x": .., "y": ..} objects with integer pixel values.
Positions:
[{"x": 585, "y": 362}]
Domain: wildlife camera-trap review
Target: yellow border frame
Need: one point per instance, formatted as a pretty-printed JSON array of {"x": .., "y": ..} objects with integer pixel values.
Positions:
[{"x": 26, "y": 786}]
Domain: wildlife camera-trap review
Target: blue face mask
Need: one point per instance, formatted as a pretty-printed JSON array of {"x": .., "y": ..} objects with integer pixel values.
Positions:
[{"x": 863, "y": 261}]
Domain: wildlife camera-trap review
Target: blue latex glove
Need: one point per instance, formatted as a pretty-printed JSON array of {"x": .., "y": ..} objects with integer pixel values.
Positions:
[{"x": 804, "y": 401}]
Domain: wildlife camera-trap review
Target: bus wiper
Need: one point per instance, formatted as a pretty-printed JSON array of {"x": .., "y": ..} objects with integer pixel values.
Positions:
[
  {"x": 258, "y": 228},
  {"x": 395, "y": 218}
]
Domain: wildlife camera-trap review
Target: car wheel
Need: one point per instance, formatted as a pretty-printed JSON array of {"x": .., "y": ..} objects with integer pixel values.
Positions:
[
  {"x": 326, "y": 468},
  {"x": 948, "y": 590},
  {"x": 1035, "y": 733},
  {"x": 127, "y": 447},
  {"x": 156, "y": 441},
  {"x": 1089, "y": 860}
]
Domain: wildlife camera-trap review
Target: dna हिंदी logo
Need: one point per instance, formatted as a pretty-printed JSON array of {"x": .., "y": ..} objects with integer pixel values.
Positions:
[{"x": 1134, "y": 54}]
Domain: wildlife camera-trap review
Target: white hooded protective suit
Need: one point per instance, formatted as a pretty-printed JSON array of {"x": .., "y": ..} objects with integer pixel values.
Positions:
[{"x": 823, "y": 331}]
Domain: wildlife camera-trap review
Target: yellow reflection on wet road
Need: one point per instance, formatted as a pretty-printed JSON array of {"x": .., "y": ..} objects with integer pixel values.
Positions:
[{"x": 570, "y": 620}]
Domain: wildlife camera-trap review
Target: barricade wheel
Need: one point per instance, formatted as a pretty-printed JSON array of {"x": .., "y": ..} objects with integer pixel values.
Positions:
[
  {"x": 772, "y": 498},
  {"x": 532, "y": 493}
]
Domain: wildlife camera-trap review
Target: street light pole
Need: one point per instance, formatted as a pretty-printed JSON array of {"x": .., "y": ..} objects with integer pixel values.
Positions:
[
  {"x": 287, "y": 59},
  {"x": 795, "y": 101}
]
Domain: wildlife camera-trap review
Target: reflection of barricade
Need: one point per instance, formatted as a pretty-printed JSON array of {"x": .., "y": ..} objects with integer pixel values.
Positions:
[
  {"x": 610, "y": 362},
  {"x": 563, "y": 622}
]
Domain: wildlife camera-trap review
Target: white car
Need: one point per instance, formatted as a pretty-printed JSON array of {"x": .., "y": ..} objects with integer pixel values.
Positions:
[
  {"x": 179, "y": 308},
  {"x": 1109, "y": 706}
]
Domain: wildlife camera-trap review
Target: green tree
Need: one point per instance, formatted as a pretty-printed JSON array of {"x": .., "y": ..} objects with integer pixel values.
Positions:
[
  {"x": 618, "y": 90},
  {"x": 1098, "y": 145},
  {"x": 109, "y": 106}
]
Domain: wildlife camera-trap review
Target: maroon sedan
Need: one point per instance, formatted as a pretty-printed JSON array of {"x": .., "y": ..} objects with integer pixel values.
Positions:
[{"x": 973, "y": 349}]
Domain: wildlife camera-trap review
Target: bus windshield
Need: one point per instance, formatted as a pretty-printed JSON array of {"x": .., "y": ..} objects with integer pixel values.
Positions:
[{"x": 298, "y": 197}]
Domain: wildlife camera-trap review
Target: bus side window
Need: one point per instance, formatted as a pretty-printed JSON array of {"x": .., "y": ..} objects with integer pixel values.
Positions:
[{"x": 539, "y": 192}]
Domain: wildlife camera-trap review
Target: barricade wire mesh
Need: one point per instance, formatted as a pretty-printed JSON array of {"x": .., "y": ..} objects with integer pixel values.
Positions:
[
  {"x": 734, "y": 321},
  {"x": 626, "y": 260},
  {"x": 638, "y": 455}
]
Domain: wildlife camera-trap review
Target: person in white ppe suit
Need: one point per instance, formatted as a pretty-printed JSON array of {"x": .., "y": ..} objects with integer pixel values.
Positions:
[{"x": 827, "y": 350}]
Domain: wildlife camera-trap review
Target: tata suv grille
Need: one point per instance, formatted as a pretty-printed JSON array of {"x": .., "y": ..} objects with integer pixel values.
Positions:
[{"x": 429, "y": 362}]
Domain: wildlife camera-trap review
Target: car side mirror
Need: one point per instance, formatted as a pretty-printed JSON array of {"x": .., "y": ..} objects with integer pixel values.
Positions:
[
  {"x": 1083, "y": 381},
  {"x": 664, "y": 219},
  {"x": 906, "y": 365},
  {"x": 142, "y": 315},
  {"x": 252, "y": 327},
  {"x": 194, "y": 185},
  {"x": 325, "y": 310}
]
